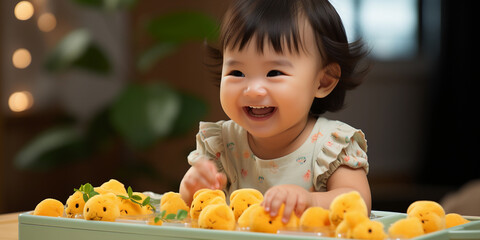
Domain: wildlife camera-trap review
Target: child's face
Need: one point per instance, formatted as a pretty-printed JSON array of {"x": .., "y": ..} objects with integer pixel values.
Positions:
[{"x": 269, "y": 93}]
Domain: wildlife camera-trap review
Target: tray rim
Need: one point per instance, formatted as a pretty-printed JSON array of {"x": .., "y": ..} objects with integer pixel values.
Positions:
[{"x": 26, "y": 218}]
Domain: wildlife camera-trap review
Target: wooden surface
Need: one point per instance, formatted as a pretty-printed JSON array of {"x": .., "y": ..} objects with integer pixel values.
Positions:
[{"x": 9, "y": 226}]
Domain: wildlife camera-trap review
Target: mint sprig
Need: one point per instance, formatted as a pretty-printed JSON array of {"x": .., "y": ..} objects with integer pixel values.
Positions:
[
  {"x": 87, "y": 190},
  {"x": 181, "y": 214},
  {"x": 136, "y": 198}
]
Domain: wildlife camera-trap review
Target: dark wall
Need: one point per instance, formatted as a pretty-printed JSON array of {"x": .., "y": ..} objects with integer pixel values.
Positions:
[{"x": 452, "y": 157}]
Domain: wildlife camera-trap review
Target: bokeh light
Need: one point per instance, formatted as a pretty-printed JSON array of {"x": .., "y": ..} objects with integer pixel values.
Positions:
[
  {"x": 23, "y": 10},
  {"x": 47, "y": 22},
  {"x": 21, "y": 58},
  {"x": 20, "y": 101}
]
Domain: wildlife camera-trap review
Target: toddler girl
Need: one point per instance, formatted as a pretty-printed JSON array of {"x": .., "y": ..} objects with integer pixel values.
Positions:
[{"x": 284, "y": 63}]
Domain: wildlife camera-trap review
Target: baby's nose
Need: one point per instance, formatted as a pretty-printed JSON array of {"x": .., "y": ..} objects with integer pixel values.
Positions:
[{"x": 255, "y": 88}]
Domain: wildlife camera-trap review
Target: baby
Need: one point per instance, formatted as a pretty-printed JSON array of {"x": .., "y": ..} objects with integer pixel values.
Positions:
[{"x": 284, "y": 63}]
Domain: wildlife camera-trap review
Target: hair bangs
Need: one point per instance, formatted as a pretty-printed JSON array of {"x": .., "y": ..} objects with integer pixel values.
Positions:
[{"x": 266, "y": 22}]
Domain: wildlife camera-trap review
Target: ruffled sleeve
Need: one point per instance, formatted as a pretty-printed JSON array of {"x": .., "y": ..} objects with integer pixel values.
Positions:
[
  {"x": 343, "y": 145},
  {"x": 209, "y": 143}
]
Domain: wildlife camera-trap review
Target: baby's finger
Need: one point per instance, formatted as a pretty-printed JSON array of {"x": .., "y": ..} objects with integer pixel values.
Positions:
[
  {"x": 300, "y": 207},
  {"x": 290, "y": 203},
  {"x": 221, "y": 181},
  {"x": 267, "y": 200},
  {"x": 206, "y": 172},
  {"x": 277, "y": 201}
]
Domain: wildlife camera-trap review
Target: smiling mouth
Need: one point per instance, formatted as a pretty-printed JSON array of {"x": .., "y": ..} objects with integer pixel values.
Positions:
[
  {"x": 259, "y": 112},
  {"x": 96, "y": 218}
]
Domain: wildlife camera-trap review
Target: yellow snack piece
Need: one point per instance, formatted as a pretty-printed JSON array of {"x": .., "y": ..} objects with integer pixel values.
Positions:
[
  {"x": 454, "y": 219},
  {"x": 103, "y": 207},
  {"x": 74, "y": 204},
  {"x": 344, "y": 203},
  {"x": 430, "y": 213},
  {"x": 406, "y": 228},
  {"x": 241, "y": 199},
  {"x": 204, "y": 197},
  {"x": 217, "y": 216},
  {"x": 49, "y": 207},
  {"x": 171, "y": 202}
]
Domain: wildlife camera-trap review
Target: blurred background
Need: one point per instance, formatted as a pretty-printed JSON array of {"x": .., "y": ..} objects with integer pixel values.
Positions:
[{"x": 99, "y": 89}]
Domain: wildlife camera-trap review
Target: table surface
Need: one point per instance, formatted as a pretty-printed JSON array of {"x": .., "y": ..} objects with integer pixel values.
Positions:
[{"x": 9, "y": 226}]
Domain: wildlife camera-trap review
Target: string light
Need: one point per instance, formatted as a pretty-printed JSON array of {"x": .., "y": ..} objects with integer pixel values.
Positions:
[
  {"x": 21, "y": 58},
  {"x": 23, "y": 10},
  {"x": 47, "y": 22},
  {"x": 20, "y": 101}
]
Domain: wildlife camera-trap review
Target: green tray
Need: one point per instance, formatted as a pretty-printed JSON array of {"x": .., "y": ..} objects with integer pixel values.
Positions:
[{"x": 51, "y": 228}]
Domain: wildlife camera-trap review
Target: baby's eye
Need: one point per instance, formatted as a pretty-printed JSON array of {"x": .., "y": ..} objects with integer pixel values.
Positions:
[
  {"x": 236, "y": 73},
  {"x": 274, "y": 73}
]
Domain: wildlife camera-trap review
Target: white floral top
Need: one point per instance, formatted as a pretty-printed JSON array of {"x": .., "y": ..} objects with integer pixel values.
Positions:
[{"x": 330, "y": 144}]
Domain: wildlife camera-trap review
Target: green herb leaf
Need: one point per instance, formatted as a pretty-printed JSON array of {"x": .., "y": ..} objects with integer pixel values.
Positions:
[
  {"x": 87, "y": 190},
  {"x": 93, "y": 193},
  {"x": 129, "y": 191},
  {"x": 146, "y": 201},
  {"x": 124, "y": 197},
  {"x": 136, "y": 197},
  {"x": 181, "y": 214},
  {"x": 88, "y": 187},
  {"x": 170, "y": 216}
]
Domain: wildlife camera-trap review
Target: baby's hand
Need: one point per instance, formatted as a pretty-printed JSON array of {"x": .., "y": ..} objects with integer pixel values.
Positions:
[
  {"x": 294, "y": 197},
  {"x": 203, "y": 174}
]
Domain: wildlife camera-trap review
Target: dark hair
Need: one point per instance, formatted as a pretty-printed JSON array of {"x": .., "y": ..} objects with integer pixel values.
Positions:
[{"x": 276, "y": 21}]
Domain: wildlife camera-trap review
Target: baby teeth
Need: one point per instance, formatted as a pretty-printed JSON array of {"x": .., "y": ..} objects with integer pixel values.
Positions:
[{"x": 257, "y": 107}]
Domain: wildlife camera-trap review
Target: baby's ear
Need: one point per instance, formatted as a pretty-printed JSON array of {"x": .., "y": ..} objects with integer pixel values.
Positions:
[{"x": 328, "y": 79}]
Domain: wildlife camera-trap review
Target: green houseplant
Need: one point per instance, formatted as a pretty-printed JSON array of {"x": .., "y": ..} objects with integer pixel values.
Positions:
[{"x": 142, "y": 114}]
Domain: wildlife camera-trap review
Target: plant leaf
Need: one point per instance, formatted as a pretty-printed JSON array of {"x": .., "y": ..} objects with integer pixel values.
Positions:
[
  {"x": 170, "y": 216},
  {"x": 107, "y": 4},
  {"x": 93, "y": 59},
  {"x": 179, "y": 27},
  {"x": 154, "y": 54},
  {"x": 68, "y": 50},
  {"x": 52, "y": 148},
  {"x": 192, "y": 110},
  {"x": 77, "y": 50},
  {"x": 144, "y": 114}
]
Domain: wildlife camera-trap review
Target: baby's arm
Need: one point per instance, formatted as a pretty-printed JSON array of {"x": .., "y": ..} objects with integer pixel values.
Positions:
[
  {"x": 203, "y": 174},
  {"x": 297, "y": 199}
]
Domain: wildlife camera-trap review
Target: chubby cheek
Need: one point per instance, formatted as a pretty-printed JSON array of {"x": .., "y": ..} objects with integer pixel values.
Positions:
[
  {"x": 294, "y": 103},
  {"x": 228, "y": 99}
]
